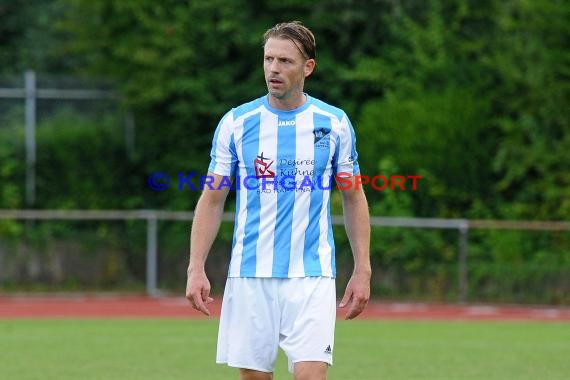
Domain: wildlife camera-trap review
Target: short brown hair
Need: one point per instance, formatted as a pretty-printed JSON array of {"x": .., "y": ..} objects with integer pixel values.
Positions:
[{"x": 298, "y": 33}]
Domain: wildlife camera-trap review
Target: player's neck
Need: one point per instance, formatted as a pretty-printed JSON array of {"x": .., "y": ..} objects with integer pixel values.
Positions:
[{"x": 288, "y": 103}]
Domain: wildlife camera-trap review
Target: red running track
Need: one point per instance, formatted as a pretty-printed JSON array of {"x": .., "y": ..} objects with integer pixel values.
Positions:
[{"x": 129, "y": 306}]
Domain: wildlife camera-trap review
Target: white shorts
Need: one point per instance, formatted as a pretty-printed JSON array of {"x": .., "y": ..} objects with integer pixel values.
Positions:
[{"x": 261, "y": 314}]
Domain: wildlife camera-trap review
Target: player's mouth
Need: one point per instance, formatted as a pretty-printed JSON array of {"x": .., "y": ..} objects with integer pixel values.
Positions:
[{"x": 275, "y": 82}]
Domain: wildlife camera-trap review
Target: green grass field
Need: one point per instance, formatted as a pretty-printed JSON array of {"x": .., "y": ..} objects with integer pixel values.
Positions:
[{"x": 185, "y": 349}]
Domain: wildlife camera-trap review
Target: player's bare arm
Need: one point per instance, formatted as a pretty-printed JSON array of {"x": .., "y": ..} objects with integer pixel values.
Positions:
[
  {"x": 357, "y": 224},
  {"x": 207, "y": 219}
]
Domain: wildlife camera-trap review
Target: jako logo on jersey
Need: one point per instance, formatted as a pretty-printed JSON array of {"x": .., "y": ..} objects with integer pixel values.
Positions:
[
  {"x": 286, "y": 123},
  {"x": 262, "y": 167}
]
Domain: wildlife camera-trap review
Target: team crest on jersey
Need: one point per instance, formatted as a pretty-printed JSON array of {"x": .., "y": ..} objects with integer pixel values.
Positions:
[
  {"x": 322, "y": 138},
  {"x": 262, "y": 167}
]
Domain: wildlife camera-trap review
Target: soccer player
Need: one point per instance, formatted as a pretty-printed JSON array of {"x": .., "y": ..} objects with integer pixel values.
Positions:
[{"x": 281, "y": 152}]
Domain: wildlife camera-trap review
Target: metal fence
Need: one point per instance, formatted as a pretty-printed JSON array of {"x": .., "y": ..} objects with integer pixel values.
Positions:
[
  {"x": 30, "y": 93},
  {"x": 463, "y": 226}
]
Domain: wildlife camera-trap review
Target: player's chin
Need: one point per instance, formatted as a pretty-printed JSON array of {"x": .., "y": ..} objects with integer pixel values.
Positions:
[{"x": 275, "y": 93}]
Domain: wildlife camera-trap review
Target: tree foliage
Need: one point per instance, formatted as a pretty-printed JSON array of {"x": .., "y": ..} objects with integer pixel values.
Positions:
[{"x": 472, "y": 95}]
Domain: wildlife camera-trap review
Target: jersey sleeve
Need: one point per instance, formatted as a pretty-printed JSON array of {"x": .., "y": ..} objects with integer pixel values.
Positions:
[
  {"x": 223, "y": 155},
  {"x": 346, "y": 156}
]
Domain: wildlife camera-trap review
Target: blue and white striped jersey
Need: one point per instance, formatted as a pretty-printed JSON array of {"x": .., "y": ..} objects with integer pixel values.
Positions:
[{"x": 284, "y": 163}]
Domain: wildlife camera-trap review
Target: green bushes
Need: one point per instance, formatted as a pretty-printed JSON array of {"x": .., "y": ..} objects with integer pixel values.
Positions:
[{"x": 472, "y": 97}]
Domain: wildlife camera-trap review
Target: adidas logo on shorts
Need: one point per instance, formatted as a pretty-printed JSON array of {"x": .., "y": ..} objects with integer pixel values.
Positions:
[{"x": 328, "y": 350}]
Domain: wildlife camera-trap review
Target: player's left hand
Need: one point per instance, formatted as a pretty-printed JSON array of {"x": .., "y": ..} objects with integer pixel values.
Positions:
[{"x": 356, "y": 295}]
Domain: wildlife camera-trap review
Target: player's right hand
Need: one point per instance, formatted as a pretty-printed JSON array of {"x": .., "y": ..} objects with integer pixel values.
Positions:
[{"x": 198, "y": 291}]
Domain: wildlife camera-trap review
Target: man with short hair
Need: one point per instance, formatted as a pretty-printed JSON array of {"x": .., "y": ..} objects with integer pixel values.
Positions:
[{"x": 282, "y": 151}]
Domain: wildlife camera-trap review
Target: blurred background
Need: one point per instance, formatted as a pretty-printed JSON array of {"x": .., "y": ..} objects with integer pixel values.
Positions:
[{"x": 471, "y": 95}]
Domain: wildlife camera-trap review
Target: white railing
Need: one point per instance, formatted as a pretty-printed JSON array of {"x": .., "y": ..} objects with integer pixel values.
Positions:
[{"x": 152, "y": 216}]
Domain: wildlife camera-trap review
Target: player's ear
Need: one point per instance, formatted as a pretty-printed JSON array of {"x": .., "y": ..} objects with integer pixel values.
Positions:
[{"x": 309, "y": 66}]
